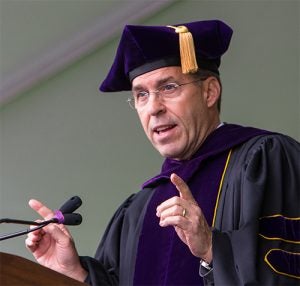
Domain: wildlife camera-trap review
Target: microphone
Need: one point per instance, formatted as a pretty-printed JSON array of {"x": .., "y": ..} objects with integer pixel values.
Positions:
[
  {"x": 72, "y": 219},
  {"x": 71, "y": 205},
  {"x": 67, "y": 218},
  {"x": 64, "y": 216},
  {"x": 65, "y": 213}
]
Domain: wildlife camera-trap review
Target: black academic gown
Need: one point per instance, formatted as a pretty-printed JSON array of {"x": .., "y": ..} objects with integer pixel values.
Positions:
[{"x": 261, "y": 188}]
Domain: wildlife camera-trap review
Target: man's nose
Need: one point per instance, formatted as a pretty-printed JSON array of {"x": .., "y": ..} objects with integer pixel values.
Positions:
[{"x": 155, "y": 104}]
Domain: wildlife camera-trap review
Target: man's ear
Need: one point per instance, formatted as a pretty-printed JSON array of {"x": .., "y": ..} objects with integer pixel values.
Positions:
[{"x": 213, "y": 91}]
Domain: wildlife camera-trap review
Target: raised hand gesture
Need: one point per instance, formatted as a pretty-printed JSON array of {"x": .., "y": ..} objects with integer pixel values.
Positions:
[
  {"x": 185, "y": 215},
  {"x": 53, "y": 246}
]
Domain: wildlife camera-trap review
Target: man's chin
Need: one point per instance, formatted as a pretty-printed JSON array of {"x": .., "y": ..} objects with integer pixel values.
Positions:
[{"x": 168, "y": 154}]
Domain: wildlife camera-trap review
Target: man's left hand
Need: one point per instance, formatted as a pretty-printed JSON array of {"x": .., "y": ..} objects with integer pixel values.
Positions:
[{"x": 186, "y": 216}]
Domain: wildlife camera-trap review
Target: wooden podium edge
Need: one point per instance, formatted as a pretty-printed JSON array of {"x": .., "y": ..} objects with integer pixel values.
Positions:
[{"x": 16, "y": 270}]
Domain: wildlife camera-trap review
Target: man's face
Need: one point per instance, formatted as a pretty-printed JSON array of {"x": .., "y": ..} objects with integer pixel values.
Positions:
[{"x": 175, "y": 126}]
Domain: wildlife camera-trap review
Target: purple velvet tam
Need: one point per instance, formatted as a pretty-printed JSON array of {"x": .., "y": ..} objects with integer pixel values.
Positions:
[{"x": 146, "y": 48}]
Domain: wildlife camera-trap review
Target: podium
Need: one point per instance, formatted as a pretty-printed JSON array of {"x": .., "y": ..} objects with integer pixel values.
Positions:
[{"x": 18, "y": 271}]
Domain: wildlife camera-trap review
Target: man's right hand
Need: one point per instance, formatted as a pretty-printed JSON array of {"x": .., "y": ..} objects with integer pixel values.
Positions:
[{"x": 53, "y": 246}]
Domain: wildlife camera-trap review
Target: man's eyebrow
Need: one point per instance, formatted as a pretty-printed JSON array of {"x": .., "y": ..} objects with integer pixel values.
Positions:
[{"x": 158, "y": 83}]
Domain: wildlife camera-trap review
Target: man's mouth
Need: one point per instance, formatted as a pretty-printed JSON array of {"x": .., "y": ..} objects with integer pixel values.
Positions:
[{"x": 163, "y": 128}]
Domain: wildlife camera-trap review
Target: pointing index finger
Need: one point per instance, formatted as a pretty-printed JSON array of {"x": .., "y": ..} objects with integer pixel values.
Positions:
[
  {"x": 182, "y": 187},
  {"x": 41, "y": 209}
]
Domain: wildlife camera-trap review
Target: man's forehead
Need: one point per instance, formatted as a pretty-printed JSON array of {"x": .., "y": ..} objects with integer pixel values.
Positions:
[{"x": 158, "y": 76}]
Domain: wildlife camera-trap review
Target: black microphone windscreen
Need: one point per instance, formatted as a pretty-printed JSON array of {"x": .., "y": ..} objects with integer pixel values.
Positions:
[
  {"x": 71, "y": 205},
  {"x": 72, "y": 219}
]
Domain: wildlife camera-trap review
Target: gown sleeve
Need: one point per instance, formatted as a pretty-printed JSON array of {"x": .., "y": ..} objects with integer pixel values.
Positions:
[
  {"x": 114, "y": 261},
  {"x": 104, "y": 268},
  {"x": 256, "y": 236}
]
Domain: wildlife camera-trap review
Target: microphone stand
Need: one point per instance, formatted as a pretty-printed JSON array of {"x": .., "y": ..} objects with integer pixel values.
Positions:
[
  {"x": 64, "y": 215},
  {"x": 19, "y": 221},
  {"x": 22, "y": 232}
]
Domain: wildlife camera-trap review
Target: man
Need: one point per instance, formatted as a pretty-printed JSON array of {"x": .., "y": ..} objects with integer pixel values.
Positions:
[{"x": 225, "y": 208}]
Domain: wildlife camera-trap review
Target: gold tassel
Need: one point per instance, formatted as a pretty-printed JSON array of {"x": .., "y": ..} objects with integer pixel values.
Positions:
[{"x": 187, "y": 50}]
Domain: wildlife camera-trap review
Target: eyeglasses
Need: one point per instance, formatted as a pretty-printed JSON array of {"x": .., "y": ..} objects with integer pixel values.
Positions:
[{"x": 169, "y": 90}]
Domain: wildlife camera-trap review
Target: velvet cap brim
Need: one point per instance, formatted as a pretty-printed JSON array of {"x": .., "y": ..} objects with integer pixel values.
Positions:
[{"x": 146, "y": 48}]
